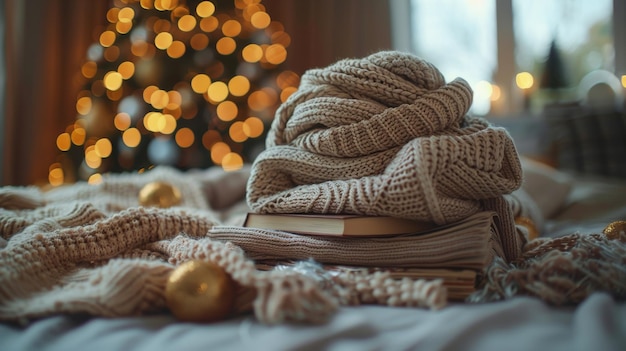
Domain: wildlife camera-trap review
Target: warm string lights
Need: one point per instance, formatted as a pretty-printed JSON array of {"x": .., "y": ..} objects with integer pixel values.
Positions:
[
  {"x": 492, "y": 94},
  {"x": 187, "y": 84}
]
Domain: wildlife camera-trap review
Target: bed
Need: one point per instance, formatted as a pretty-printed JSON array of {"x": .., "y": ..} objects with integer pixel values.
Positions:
[
  {"x": 584, "y": 204},
  {"x": 81, "y": 307}
]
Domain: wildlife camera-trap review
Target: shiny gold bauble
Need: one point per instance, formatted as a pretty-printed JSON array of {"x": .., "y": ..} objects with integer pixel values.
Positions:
[
  {"x": 613, "y": 230},
  {"x": 529, "y": 224},
  {"x": 200, "y": 291},
  {"x": 159, "y": 194}
]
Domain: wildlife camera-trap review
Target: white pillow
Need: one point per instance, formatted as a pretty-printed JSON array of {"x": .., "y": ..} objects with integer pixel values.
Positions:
[{"x": 547, "y": 186}]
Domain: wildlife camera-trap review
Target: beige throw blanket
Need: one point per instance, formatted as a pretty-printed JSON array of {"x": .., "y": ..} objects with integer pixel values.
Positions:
[{"x": 92, "y": 249}]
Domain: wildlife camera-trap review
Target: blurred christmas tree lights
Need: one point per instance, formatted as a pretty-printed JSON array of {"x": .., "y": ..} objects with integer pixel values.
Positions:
[{"x": 187, "y": 84}]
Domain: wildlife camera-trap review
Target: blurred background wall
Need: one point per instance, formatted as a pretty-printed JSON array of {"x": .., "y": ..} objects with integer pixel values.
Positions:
[{"x": 519, "y": 56}]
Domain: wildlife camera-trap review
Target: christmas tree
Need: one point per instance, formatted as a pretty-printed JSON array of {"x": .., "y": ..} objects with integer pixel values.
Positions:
[
  {"x": 554, "y": 75},
  {"x": 186, "y": 84}
]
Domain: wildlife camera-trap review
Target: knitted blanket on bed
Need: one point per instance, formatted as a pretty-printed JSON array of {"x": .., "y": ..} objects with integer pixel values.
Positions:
[
  {"x": 386, "y": 135},
  {"x": 92, "y": 249}
]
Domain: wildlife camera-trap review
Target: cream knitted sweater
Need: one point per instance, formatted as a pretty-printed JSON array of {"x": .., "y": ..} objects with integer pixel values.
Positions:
[{"x": 385, "y": 135}]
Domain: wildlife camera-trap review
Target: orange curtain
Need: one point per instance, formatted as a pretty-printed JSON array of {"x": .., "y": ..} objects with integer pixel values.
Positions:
[{"x": 46, "y": 43}]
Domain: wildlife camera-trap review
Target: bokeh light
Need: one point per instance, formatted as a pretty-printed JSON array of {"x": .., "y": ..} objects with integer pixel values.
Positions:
[
  {"x": 496, "y": 92},
  {"x": 159, "y": 99},
  {"x": 131, "y": 137},
  {"x": 276, "y": 54},
  {"x": 199, "y": 41},
  {"x": 218, "y": 91},
  {"x": 56, "y": 175},
  {"x": 185, "y": 137},
  {"x": 64, "y": 141},
  {"x": 205, "y": 9},
  {"x": 187, "y": 23},
  {"x": 218, "y": 151},
  {"x": 236, "y": 133},
  {"x": 126, "y": 69},
  {"x": 163, "y": 40},
  {"x": 253, "y": 127},
  {"x": 260, "y": 20},
  {"x": 227, "y": 111},
  {"x": 200, "y": 83},
  {"x": 107, "y": 38},
  {"x": 126, "y": 15},
  {"x": 252, "y": 53},
  {"x": 231, "y": 28},
  {"x": 83, "y": 105},
  {"x": 239, "y": 85},
  {"x": 78, "y": 136},
  {"x": 176, "y": 50},
  {"x": 209, "y": 24},
  {"x": 175, "y": 83},
  {"x": 226, "y": 46},
  {"x": 95, "y": 178},
  {"x": 103, "y": 148},
  {"x": 113, "y": 80},
  {"x": 89, "y": 69},
  {"x": 232, "y": 162},
  {"x": 524, "y": 80},
  {"x": 122, "y": 121}
]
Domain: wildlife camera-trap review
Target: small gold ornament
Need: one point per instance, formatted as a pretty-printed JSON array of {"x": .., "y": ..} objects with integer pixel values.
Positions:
[
  {"x": 159, "y": 194},
  {"x": 200, "y": 291},
  {"x": 529, "y": 224},
  {"x": 612, "y": 231}
]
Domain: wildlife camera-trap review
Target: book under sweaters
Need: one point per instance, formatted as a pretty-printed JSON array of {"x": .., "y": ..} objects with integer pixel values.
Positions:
[
  {"x": 454, "y": 252},
  {"x": 336, "y": 225}
]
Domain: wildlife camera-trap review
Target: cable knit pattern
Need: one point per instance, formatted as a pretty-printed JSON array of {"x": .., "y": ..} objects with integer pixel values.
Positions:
[{"x": 384, "y": 135}]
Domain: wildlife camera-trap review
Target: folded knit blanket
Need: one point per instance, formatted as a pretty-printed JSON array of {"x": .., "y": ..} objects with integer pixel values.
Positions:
[{"x": 385, "y": 135}]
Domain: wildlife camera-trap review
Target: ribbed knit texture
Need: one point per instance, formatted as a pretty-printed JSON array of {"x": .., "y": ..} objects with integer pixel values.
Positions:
[
  {"x": 472, "y": 243},
  {"x": 385, "y": 135},
  {"x": 92, "y": 249}
]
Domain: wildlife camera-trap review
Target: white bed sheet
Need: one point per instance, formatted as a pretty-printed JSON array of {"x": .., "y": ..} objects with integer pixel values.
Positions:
[
  {"x": 518, "y": 324},
  {"x": 599, "y": 323}
]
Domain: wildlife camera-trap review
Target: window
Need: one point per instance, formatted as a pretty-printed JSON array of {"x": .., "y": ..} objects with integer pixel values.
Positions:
[
  {"x": 489, "y": 43},
  {"x": 459, "y": 38}
]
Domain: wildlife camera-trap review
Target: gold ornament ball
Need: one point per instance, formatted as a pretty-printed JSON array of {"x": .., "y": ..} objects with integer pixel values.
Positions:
[
  {"x": 159, "y": 194},
  {"x": 612, "y": 231},
  {"x": 529, "y": 224},
  {"x": 200, "y": 291}
]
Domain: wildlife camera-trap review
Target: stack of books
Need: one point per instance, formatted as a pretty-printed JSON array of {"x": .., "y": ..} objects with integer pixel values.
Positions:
[{"x": 455, "y": 253}]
